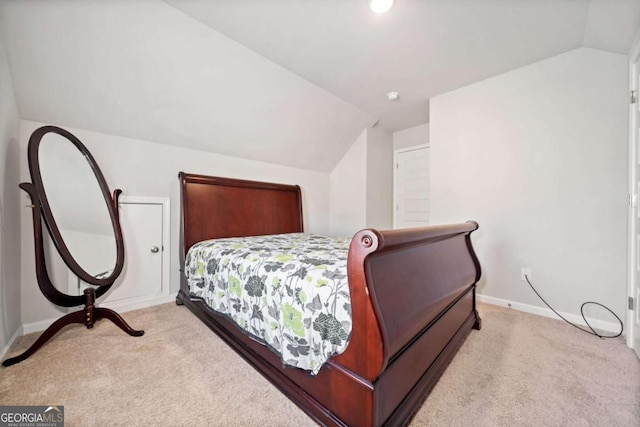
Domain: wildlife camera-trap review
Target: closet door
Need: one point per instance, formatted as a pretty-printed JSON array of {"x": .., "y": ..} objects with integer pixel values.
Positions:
[
  {"x": 144, "y": 281},
  {"x": 142, "y": 232}
]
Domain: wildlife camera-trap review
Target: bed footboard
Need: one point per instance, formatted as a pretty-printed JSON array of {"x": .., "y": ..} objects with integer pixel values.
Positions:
[{"x": 413, "y": 299}]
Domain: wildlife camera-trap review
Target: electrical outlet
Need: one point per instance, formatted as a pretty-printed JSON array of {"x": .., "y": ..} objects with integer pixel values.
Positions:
[{"x": 525, "y": 271}]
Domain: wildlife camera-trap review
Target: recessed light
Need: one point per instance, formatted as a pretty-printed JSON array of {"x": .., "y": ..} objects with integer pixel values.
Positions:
[
  {"x": 393, "y": 96},
  {"x": 380, "y": 6}
]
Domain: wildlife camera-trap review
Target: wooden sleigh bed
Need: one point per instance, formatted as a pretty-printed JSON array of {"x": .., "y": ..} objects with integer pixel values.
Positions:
[{"x": 412, "y": 298}]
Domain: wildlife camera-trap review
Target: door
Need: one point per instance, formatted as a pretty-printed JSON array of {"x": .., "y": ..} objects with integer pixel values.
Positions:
[
  {"x": 633, "y": 319},
  {"x": 142, "y": 232},
  {"x": 144, "y": 280},
  {"x": 411, "y": 187}
]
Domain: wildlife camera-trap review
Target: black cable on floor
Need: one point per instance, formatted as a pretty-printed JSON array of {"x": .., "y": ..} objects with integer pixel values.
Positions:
[{"x": 592, "y": 331}]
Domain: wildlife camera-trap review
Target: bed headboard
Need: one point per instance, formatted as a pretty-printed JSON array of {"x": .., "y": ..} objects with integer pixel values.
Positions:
[{"x": 214, "y": 207}]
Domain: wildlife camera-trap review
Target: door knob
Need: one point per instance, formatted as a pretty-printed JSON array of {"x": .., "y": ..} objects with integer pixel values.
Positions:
[{"x": 155, "y": 249}]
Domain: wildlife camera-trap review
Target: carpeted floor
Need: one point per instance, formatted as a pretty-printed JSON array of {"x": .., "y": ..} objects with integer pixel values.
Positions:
[{"x": 520, "y": 369}]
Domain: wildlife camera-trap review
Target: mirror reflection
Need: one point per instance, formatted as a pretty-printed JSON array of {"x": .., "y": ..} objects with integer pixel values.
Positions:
[{"x": 79, "y": 208}]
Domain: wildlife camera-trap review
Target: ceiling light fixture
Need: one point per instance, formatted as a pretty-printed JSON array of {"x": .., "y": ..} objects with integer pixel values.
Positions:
[
  {"x": 380, "y": 6},
  {"x": 393, "y": 96}
]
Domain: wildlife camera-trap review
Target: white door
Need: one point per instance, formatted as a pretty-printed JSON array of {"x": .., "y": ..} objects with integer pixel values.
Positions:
[
  {"x": 142, "y": 232},
  {"x": 144, "y": 279},
  {"x": 411, "y": 187},
  {"x": 633, "y": 319}
]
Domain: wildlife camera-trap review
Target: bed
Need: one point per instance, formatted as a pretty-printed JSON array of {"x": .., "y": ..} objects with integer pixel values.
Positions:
[{"x": 412, "y": 295}]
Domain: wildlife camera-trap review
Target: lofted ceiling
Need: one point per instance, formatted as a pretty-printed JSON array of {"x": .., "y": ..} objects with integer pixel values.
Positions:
[
  {"x": 419, "y": 48},
  {"x": 284, "y": 81}
]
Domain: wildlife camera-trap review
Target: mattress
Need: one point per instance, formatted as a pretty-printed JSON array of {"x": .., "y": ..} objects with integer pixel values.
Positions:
[{"x": 287, "y": 291}]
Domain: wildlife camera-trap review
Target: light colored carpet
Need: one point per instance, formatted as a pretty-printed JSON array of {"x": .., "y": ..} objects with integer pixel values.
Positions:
[{"x": 520, "y": 369}]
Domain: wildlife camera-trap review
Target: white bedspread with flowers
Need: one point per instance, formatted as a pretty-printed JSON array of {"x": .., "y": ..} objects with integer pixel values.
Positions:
[{"x": 288, "y": 291}]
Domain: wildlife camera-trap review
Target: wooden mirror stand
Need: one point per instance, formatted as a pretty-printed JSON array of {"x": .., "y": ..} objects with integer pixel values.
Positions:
[{"x": 40, "y": 207}]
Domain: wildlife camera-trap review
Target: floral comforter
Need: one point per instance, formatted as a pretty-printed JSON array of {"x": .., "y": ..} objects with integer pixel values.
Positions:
[{"x": 288, "y": 291}]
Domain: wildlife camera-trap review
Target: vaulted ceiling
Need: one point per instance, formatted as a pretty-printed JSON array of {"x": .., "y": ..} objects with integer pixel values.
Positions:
[{"x": 283, "y": 81}]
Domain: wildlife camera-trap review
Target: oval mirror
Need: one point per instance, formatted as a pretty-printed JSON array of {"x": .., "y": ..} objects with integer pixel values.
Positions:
[{"x": 77, "y": 205}]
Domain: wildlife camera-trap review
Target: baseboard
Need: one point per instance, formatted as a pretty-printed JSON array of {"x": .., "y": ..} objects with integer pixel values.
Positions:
[
  {"x": 599, "y": 325},
  {"x": 119, "y": 306},
  {"x": 9, "y": 344},
  {"x": 39, "y": 326},
  {"x": 138, "y": 303}
]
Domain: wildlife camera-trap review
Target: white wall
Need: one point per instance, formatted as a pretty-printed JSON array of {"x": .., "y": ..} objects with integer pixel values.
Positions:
[
  {"x": 142, "y": 168},
  {"x": 362, "y": 185},
  {"x": 348, "y": 182},
  {"x": 9, "y": 205},
  {"x": 379, "y": 178},
  {"x": 538, "y": 156},
  {"x": 144, "y": 69},
  {"x": 417, "y": 135}
]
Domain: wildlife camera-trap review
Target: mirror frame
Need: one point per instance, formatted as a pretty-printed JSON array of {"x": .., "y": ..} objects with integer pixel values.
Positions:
[{"x": 54, "y": 231}]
